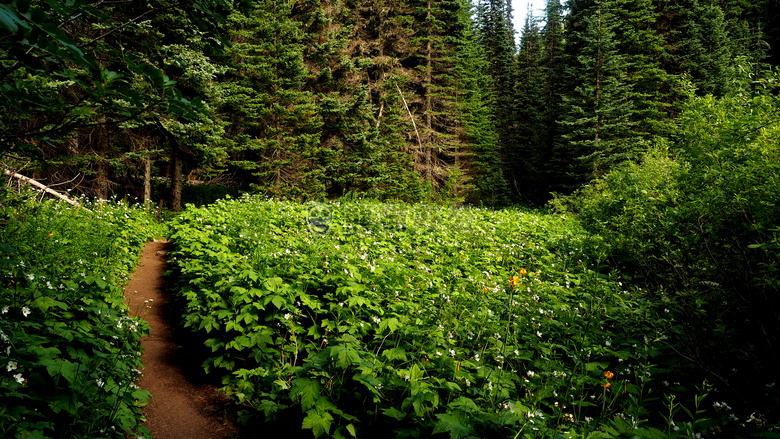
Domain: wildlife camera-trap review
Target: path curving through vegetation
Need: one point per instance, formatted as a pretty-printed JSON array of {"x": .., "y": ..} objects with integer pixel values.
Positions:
[{"x": 181, "y": 407}]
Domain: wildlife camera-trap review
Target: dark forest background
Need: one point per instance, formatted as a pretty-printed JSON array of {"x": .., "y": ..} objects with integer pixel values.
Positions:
[{"x": 312, "y": 99}]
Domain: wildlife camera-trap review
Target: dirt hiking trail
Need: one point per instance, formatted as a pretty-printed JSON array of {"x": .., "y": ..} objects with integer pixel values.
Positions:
[{"x": 182, "y": 407}]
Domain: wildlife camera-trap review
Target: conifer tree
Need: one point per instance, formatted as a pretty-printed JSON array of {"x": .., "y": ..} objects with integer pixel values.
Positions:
[
  {"x": 484, "y": 164},
  {"x": 410, "y": 49},
  {"x": 706, "y": 49},
  {"x": 714, "y": 41},
  {"x": 275, "y": 122},
  {"x": 597, "y": 126},
  {"x": 653, "y": 89},
  {"x": 434, "y": 76},
  {"x": 497, "y": 36},
  {"x": 98, "y": 79},
  {"x": 351, "y": 148},
  {"x": 379, "y": 44},
  {"x": 525, "y": 159}
]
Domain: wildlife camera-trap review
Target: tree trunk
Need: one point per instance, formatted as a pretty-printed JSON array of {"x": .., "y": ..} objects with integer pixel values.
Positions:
[
  {"x": 99, "y": 137},
  {"x": 176, "y": 178},
  {"x": 147, "y": 179}
]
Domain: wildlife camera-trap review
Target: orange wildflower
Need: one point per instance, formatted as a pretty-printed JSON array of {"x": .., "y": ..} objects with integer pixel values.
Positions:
[
  {"x": 514, "y": 280},
  {"x": 522, "y": 271},
  {"x": 606, "y": 385},
  {"x": 609, "y": 375}
]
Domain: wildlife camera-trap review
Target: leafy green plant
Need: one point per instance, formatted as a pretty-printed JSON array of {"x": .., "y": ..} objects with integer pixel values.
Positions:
[
  {"x": 412, "y": 320},
  {"x": 695, "y": 220},
  {"x": 69, "y": 351}
]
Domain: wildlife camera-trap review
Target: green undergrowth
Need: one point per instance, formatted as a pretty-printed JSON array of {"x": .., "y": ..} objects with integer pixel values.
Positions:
[
  {"x": 364, "y": 319},
  {"x": 69, "y": 352}
]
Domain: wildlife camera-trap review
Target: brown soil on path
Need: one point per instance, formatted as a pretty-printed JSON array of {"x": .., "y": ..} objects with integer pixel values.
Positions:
[{"x": 180, "y": 408}]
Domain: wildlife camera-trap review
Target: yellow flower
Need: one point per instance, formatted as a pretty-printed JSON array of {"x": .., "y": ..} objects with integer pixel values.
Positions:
[
  {"x": 51, "y": 235},
  {"x": 514, "y": 280},
  {"x": 522, "y": 271}
]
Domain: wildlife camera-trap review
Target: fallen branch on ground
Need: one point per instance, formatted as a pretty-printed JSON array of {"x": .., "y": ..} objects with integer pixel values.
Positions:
[{"x": 43, "y": 188}]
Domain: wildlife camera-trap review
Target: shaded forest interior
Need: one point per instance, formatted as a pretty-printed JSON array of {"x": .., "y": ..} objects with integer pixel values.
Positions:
[{"x": 410, "y": 100}]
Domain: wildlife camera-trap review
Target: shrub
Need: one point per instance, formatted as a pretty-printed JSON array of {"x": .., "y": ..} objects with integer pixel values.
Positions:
[{"x": 699, "y": 221}]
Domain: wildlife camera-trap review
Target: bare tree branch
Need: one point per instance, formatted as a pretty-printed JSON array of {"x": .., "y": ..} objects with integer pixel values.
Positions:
[{"x": 44, "y": 188}]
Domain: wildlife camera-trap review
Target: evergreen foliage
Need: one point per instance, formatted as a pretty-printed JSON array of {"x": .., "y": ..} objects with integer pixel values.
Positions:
[
  {"x": 537, "y": 104},
  {"x": 496, "y": 33},
  {"x": 276, "y": 127},
  {"x": 479, "y": 123},
  {"x": 597, "y": 126}
]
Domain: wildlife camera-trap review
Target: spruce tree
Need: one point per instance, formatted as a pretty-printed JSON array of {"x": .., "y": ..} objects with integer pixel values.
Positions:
[
  {"x": 714, "y": 41},
  {"x": 597, "y": 125},
  {"x": 275, "y": 122},
  {"x": 380, "y": 45},
  {"x": 525, "y": 159},
  {"x": 433, "y": 74},
  {"x": 108, "y": 88},
  {"x": 497, "y": 36},
  {"x": 409, "y": 50},
  {"x": 706, "y": 49},
  {"x": 653, "y": 89},
  {"x": 479, "y": 136}
]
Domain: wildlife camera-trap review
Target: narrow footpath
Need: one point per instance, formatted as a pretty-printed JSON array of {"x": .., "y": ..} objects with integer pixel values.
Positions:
[{"x": 180, "y": 408}]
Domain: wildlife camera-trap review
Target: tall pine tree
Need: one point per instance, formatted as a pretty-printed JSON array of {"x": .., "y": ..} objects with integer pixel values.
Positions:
[
  {"x": 275, "y": 121},
  {"x": 597, "y": 126}
]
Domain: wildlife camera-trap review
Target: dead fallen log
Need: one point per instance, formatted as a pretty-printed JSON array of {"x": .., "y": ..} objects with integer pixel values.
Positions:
[{"x": 44, "y": 188}]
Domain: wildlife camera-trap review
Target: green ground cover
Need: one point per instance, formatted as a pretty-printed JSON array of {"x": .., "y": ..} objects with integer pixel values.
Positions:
[
  {"x": 69, "y": 353},
  {"x": 410, "y": 320},
  {"x": 351, "y": 319}
]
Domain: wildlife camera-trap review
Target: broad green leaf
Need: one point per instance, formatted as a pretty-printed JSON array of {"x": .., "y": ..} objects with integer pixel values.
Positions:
[
  {"x": 318, "y": 423},
  {"x": 306, "y": 390},
  {"x": 278, "y": 301},
  {"x": 395, "y": 354},
  {"x": 394, "y": 413},
  {"x": 453, "y": 425},
  {"x": 391, "y": 323},
  {"x": 464, "y": 404}
]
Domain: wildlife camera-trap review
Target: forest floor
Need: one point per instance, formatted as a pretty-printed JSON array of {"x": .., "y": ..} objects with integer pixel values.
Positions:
[{"x": 183, "y": 405}]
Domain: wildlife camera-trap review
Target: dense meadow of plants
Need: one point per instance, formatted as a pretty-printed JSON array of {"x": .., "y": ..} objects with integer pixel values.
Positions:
[
  {"x": 370, "y": 319},
  {"x": 361, "y": 318},
  {"x": 69, "y": 352}
]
